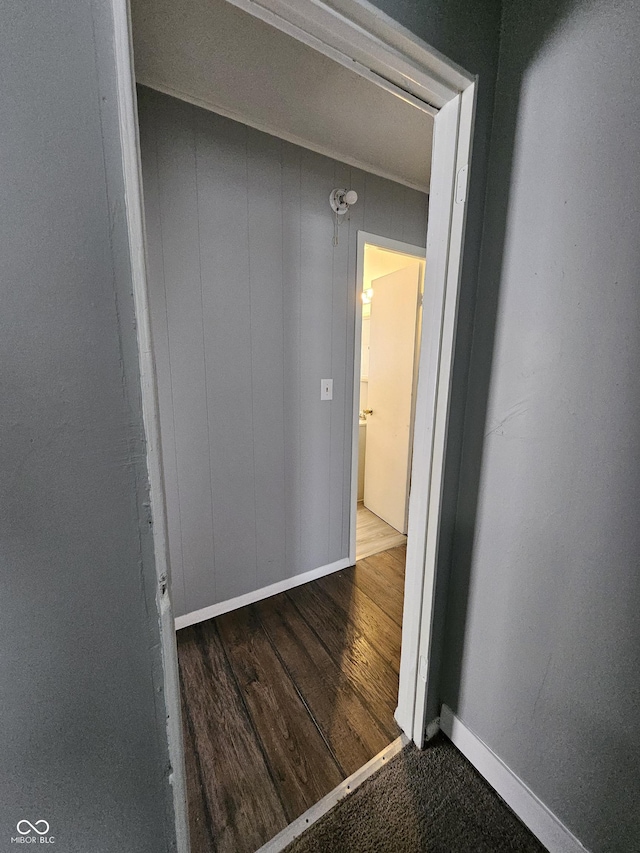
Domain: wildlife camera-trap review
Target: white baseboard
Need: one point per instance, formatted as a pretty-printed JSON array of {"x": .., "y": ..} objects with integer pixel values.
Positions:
[
  {"x": 293, "y": 830},
  {"x": 250, "y": 597},
  {"x": 547, "y": 828}
]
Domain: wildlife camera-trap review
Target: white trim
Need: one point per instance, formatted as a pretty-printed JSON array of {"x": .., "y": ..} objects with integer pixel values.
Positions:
[
  {"x": 432, "y": 63},
  {"x": 439, "y": 420},
  {"x": 132, "y": 171},
  {"x": 366, "y": 238},
  {"x": 393, "y": 245},
  {"x": 304, "y": 36},
  {"x": 320, "y": 809},
  {"x": 420, "y": 572},
  {"x": 453, "y": 130},
  {"x": 547, "y": 828},
  {"x": 273, "y": 130},
  {"x": 355, "y": 415},
  {"x": 369, "y": 38},
  {"x": 257, "y": 595}
]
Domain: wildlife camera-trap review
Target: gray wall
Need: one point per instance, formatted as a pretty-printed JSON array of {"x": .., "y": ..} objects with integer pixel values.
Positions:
[
  {"x": 543, "y": 649},
  {"x": 251, "y": 307},
  {"x": 83, "y": 742}
]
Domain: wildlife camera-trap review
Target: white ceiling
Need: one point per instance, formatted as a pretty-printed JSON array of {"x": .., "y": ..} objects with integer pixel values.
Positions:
[
  {"x": 379, "y": 262},
  {"x": 215, "y": 55}
]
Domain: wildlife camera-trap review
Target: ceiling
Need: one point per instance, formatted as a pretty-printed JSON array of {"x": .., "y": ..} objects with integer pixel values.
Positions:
[
  {"x": 212, "y": 54},
  {"x": 379, "y": 262}
]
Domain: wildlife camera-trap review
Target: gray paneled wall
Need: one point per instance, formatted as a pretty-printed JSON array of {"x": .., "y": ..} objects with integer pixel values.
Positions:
[{"x": 252, "y": 306}]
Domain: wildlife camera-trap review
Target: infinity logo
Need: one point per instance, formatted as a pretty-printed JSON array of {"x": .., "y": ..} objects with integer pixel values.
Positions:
[{"x": 33, "y": 828}]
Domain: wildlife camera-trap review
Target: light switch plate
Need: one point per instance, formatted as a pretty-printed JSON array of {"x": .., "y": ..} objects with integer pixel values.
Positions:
[{"x": 326, "y": 389}]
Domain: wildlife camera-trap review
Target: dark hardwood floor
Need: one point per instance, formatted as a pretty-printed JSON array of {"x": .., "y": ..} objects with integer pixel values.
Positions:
[{"x": 285, "y": 698}]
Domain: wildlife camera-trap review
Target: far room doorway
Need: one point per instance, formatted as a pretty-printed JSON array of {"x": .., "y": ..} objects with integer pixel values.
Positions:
[{"x": 390, "y": 285}]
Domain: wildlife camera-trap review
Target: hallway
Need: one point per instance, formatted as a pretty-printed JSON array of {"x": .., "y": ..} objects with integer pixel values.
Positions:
[{"x": 285, "y": 698}]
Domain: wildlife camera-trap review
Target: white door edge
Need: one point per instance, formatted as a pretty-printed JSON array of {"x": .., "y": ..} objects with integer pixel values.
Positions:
[{"x": 452, "y": 151}]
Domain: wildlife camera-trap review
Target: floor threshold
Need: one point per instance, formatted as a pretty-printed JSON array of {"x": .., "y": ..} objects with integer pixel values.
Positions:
[{"x": 293, "y": 830}]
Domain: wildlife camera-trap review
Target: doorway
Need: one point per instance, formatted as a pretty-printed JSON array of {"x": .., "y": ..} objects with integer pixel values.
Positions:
[
  {"x": 233, "y": 318},
  {"x": 390, "y": 288},
  {"x": 375, "y": 48}
]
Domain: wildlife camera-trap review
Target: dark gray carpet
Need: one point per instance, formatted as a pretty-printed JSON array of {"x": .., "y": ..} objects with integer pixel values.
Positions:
[{"x": 432, "y": 801}]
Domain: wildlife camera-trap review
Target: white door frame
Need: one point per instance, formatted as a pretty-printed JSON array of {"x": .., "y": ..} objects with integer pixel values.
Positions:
[
  {"x": 445, "y": 238},
  {"x": 367, "y": 239},
  {"x": 366, "y": 40}
]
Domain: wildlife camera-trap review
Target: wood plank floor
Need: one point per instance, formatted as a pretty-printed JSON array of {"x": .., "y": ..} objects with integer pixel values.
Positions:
[
  {"x": 285, "y": 698},
  {"x": 373, "y": 534}
]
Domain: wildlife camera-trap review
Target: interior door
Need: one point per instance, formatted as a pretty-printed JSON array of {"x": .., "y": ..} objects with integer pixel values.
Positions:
[{"x": 392, "y": 345}]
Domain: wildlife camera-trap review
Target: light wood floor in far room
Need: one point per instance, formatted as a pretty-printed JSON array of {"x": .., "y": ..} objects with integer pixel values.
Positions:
[
  {"x": 373, "y": 534},
  {"x": 285, "y": 698}
]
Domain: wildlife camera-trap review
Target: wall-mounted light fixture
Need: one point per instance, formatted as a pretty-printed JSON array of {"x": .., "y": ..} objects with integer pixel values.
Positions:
[
  {"x": 340, "y": 201},
  {"x": 367, "y": 296}
]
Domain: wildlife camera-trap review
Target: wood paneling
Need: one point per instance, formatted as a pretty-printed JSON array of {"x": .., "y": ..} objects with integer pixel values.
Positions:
[
  {"x": 226, "y": 311},
  {"x": 315, "y": 356},
  {"x": 267, "y": 204},
  {"x": 252, "y": 305},
  {"x": 340, "y": 452},
  {"x": 176, "y": 157},
  {"x": 292, "y": 261},
  {"x": 158, "y": 309},
  {"x": 282, "y": 700}
]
